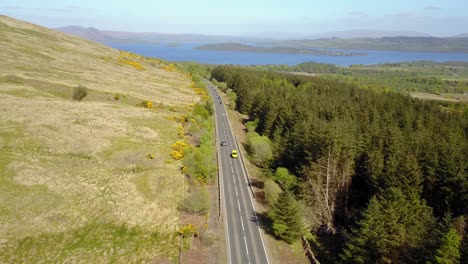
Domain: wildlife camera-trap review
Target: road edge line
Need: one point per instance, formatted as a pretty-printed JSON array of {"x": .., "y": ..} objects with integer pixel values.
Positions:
[
  {"x": 246, "y": 175},
  {"x": 220, "y": 176}
]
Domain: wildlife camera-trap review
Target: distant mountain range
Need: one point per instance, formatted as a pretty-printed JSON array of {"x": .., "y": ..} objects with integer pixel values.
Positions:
[
  {"x": 425, "y": 44},
  {"x": 105, "y": 36},
  {"x": 465, "y": 35},
  {"x": 343, "y": 40},
  {"x": 346, "y": 34},
  {"x": 123, "y": 36},
  {"x": 351, "y": 34},
  {"x": 287, "y": 50}
]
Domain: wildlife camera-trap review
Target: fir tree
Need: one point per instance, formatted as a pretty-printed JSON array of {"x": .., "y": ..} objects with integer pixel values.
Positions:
[
  {"x": 391, "y": 230},
  {"x": 449, "y": 250},
  {"x": 287, "y": 221}
]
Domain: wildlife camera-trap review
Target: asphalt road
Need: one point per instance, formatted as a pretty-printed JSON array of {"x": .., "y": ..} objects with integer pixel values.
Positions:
[{"x": 243, "y": 237}]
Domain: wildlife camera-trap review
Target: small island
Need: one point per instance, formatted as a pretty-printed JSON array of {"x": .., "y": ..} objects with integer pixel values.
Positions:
[{"x": 288, "y": 50}]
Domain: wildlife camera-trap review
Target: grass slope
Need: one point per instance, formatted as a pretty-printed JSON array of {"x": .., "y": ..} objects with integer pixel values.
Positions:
[{"x": 77, "y": 182}]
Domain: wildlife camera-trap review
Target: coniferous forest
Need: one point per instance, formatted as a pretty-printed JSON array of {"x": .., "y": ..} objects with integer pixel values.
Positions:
[{"x": 381, "y": 175}]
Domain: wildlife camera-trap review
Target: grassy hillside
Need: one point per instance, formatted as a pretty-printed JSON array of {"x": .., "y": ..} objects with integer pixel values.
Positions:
[{"x": 88, "y": 180}]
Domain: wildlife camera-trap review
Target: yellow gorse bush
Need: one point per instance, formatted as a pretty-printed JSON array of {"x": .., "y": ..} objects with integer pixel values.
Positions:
[
  {"x": 188, "y": 230},
  {"x": 134, "y": 64},
  {"x": 178, "y": 150},
  {"x": 199, "y": 91},
  {"x": 125, "y": 58},
  {"x": 180, "y": 132},
  {"x": 169, "y": 68},
  {"x": 202, "y": 94},
  {"x": 148, "y": 104}
]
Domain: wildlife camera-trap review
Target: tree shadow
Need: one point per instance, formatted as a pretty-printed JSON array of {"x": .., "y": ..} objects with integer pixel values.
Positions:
[
  {"x": 257, "y": 183},
  {"x": 327, "y": 248},
  {"x": 245, "y": 120},
  {"x": 264, "y": 222}
]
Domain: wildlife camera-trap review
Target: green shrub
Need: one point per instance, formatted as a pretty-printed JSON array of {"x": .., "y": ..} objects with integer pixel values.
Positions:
[
  {"x": 201, "y": 110},
  {"x": 251, "y": 125},
  {"x": 222, "y": 86},
  {"x": 284, "y": 178},
  {"x": 232, "y": 96},
  {"x": 259, "y": 148},
  {"x": 197, "y": 202},
  {"x": 272, "y": 191},
  {"x": 79, "y": 93},
  {"x": 199, "y": 163}
]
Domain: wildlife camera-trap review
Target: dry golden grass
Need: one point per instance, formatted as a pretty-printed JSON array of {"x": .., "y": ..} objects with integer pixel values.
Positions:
[
  {"x": 52, "y": 56},
  {"x": 92, "y": 180}
]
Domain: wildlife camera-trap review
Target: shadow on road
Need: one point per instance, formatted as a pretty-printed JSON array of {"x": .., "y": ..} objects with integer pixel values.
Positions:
[{"x": 264, "y": 222}]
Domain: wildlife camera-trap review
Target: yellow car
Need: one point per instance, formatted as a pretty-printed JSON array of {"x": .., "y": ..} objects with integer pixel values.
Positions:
[{"x": 234, "y": 154}]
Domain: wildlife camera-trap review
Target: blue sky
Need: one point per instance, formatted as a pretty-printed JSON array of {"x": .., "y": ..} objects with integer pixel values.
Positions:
[{"x": 240, "y": 17}]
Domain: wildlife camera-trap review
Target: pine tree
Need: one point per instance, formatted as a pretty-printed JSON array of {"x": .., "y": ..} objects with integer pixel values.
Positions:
[
  {"x": 449, "y": 250},
  {"x": 392, "y": 229},
  {"x": 386, "y": 144},
  {"x": 365, "y": 246},
  {"x": 286, "y": 216}
]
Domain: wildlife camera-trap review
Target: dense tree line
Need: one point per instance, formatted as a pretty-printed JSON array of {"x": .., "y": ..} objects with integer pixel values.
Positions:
[
  {"x": 406, "y": 77},
  {"x": 378, "y": 169}
]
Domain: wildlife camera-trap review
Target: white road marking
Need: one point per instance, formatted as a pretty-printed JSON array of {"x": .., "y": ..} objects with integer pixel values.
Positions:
[
  {"x": 249, "y": 194},
  {"x": 225, "y": 206},
  {"x": 226, "y": 125},
  {"x": 246, "y": 249}
]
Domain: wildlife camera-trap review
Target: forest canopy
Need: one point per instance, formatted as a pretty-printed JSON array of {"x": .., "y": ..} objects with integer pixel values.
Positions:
[{"x": 370, "y": 165}]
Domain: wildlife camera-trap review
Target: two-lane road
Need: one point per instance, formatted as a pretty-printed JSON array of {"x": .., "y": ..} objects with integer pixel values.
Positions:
[{"x": 244, "y": 239}]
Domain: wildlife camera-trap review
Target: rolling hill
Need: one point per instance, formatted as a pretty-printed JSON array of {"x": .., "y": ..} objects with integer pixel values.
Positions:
[
  {"x": 284, "y": 50},
  {"x": 85, "y": 169},
  {"x": 110, "y": 37},
  {"x": 363, "y": 33},
  {"x": 427, "y": 44},
  {"x": 465, "y": 35}
]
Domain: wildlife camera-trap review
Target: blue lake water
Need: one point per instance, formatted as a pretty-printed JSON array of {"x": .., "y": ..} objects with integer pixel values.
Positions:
[{"x": 187, "y": 52}]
